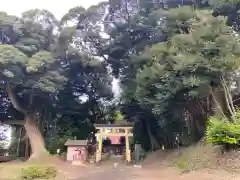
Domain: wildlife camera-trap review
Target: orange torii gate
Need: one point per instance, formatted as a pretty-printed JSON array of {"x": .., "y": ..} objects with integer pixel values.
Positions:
[{"x": 118, "y": 130}]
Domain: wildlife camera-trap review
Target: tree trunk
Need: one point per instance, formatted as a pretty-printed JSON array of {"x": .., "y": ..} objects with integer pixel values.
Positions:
[
  {"x": 154, "y": 143},
  {"x": 19, "y": 142},
  {"x": 26, "y": 149},
  {"x": 35, "y": 137},
  {"x": 218, "y": 102}
]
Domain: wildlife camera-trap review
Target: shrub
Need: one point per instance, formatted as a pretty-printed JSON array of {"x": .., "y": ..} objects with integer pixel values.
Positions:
[
  {"x": 222, "y": 132},
  {"x": 38, "y": 172},
  {"x": 57, "y": 142}
]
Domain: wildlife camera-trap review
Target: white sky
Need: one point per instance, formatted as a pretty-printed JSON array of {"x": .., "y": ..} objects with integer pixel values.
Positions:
[{"x": 57, "y": 7}]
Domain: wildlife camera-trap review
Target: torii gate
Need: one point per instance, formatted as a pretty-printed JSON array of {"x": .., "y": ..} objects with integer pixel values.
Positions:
[{"x": 115, "y": 130}]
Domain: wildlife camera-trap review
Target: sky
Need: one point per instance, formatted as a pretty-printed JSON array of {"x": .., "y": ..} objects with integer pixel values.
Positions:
[{"x": 57, "y": 7}]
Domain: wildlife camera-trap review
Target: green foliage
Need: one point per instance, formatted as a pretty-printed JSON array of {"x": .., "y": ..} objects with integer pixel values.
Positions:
[
  {"x": 73, "y": 14},
  {"x": 167, "y": 61},
  {"x": 179, "y": 73},
  {"x": 221, "y": 132},
  {"x": 38, "y": 172},
  {"x": 119, "y": 116},
  {"x": 224, "y": 2},
  {"x": 57, "y": 142},
  {"x": 40, "y": 61}
]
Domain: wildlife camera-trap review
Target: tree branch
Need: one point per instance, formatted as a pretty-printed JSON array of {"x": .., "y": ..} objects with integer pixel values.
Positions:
[
  {"x": 12, "y": 122},
  {"x": 217, "y": 103},
  {"x": 229, "y": 95},
  {"x": 228, "y": 104},
  {"x": 128, "y": 14},
  {"x": 14, "y": 101},
  {"x": 228, "y": 99}
]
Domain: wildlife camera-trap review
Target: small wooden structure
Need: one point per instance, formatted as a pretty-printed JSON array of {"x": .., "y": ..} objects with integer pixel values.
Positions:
[
  {"x": 113, "y": 130},
  {"x": 77, "y": 150}
]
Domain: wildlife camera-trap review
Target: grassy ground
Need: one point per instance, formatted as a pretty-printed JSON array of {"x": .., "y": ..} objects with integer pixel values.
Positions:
[
  {"x": 196, "y": 157},
  {"x": 204, "y": 156},
  {"x": 46, "y": 168},
  {"x": 24, "y": 171}
]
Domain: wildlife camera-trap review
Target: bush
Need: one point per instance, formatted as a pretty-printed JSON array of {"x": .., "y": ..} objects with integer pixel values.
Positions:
[
  {"x": 222, "y": 132},
  {"x": 57, "y": 142},
  {"x": 38, "y": 172}
]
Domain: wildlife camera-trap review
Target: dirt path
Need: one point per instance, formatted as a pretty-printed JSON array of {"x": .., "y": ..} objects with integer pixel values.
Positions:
[
  {"x": 153, "y": 171},
  {"x": 166, "y": 174},
  {"x": 130, "y": 173}
]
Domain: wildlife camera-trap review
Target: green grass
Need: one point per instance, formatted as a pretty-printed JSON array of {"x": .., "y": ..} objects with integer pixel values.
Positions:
[
  {"x": 24, "y": 171},
  {"x": 38, "y": 172}
]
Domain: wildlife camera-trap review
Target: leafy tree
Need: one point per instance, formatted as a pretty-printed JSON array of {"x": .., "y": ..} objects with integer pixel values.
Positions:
[
  {"x": 87, "y": 93},
  {"x": 190, "y": 67},
  {"x": 29, "y": 70},
  {"x": 80, "y": 104},
  {"x": 129, "y": 26},
  {"x": 129, "y": 37},
  {"x": 228, "y": 8}
]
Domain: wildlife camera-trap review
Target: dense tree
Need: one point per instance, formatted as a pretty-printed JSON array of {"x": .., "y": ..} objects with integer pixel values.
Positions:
[
  {"x": 156, "y": 87},
  {"x": 130, "y": 26},
  {"x": 41, "y": 65},
  {"x": 227, "y": 8},
  {"x": 29, "y": 71},
  {"x": 175, "y": 64},
  {"x": 189, "y": 67}
]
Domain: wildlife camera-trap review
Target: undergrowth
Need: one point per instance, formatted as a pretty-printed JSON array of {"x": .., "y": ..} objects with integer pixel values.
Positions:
[
  {"x": 195, "y": 157},
  {"x": 37, "y": 172},
  {"x": 28, "y": 172},
  {"x": 220, "y": 131}
]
